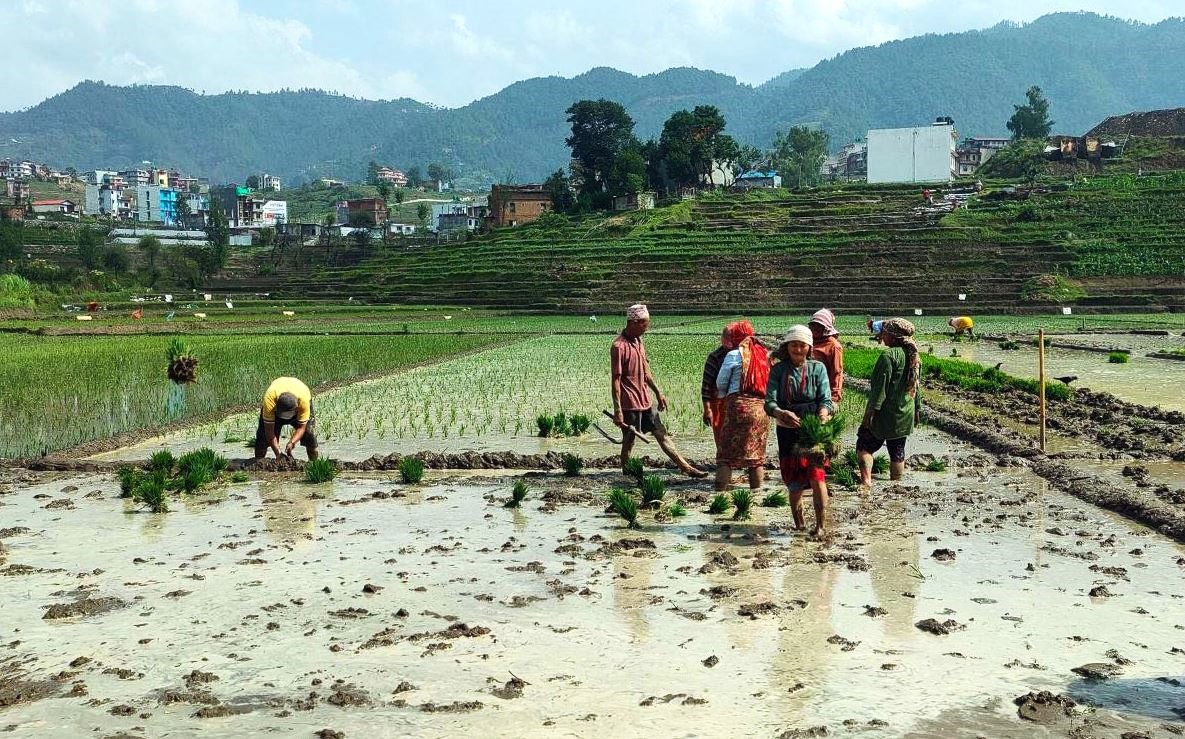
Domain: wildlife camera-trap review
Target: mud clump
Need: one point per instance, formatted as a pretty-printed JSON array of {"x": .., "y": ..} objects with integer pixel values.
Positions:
[
  {"x": 15, "y": 690},
  {"x": 1097, "y": 671},
  {"x": 1044, "y": 707},
  {"x": 711, "y": 661},
  {"x": 854, "y": 562},
  {"x": 814, "y": 731},
  {"x": 330, "y": 734},
  {"x": 511, "y": 689},
  {"x": 1100, "y": 591},
  {"x": 454, "y": 707},
  {"x": 754, "y": 610},
  {"x": 944, "y": 555},
  {"x": 347, "y": 694},
  {"x": 221, "y": 710},
  {"x": 939, "y": 628},
  {"x": 84, "y": 607}
]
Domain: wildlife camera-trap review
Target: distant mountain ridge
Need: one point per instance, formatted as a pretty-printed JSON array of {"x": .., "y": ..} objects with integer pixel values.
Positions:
[{"x": 1090, "y": 67}]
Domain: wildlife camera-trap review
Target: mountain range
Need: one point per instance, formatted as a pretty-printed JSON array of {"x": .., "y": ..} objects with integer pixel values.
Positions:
[{"x": 1089, "y": 66}]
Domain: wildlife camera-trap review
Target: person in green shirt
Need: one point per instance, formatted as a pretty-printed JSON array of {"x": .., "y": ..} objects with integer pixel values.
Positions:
[{"x": 894, "y": 400}]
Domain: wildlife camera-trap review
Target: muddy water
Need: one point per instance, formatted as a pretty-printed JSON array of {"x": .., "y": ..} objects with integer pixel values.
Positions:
[
  {"x": 1144, "y": 380},
  {"x": 243, "y": 584}
]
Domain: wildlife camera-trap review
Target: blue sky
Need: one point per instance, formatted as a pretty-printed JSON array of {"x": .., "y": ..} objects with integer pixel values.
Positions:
[{"x": 450, "y": 52}]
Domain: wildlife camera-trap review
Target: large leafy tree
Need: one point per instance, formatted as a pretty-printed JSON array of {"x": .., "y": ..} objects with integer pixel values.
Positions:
[
  {"x": 218, "y": 237},
  {"x": 1031, "y": 120},
  {"x": 691, "y": 143},
  {"x": 559, "y": 188},
  {"x": 798, "y": 155},
  {"x": 601, "y": 132}
]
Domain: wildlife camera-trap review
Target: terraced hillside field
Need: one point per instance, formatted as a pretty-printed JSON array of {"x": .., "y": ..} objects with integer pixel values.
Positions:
[{"x": 859, "y": 248}]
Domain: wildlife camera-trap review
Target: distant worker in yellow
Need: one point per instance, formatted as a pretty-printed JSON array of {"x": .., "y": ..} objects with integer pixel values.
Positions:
[
  {"x": 962, "y": 325},
  {"x": 287, "y": 402}
]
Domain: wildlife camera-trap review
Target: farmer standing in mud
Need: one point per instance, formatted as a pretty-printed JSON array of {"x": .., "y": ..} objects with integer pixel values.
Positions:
[
  {"x": 894, "y": 400},
  {"x": 631, "y": 384},
  {"x": 287, "y": 402}
]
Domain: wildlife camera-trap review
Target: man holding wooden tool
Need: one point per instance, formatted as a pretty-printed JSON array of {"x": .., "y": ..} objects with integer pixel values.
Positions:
[{"x": 633, "y": 410}]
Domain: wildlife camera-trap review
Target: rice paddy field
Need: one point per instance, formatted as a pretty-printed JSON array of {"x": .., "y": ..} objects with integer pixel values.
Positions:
[{"x": 994, "y": 592}]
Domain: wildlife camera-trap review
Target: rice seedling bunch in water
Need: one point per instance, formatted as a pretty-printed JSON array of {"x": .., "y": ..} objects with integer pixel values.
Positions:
[
  {"x": 851, "y": 459},
  {"x": 579, "y": 424},
  {"x": 624, "y": 505},
  {"x": 128, "y": 476},
  {"x": 240, "y": 476},
  {"x": 518, "y": 493},
  {"x": 193, "y": 477},
  {"x": 820, "y": 439},
  {"x": 634, "y": 468},
  {"x": 654, "y": 488},
  {"x": 560, "y": 425},
  {"x": 182, "y": 368},
  {"x": 573, "y": 464},
  {"x": 845, "y": 477},
  {"x": 545, "y": 424},
  {"x": 742, "y": 499},
  {"x": 936, "y": 465},
  {"x": 1118, "y": 357},
  {"x": 411, "y": 470},
  {"x": 162, "y": 460},
  {"x": 150, "y": 491},
  {"x": 321, "y": 469},
  {"x": 719, "y": 504},
  {"x": 776, "y": 499},
  {"x": 206, "y": 457},
  {"x": 677, "y": 509},
  {"x": 880, "y": 464}
]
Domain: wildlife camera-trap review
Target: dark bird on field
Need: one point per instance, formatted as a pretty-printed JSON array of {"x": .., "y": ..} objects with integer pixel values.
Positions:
[
  {"x": 999, "y": 365},
  {"x": 1067, "y": 379}
]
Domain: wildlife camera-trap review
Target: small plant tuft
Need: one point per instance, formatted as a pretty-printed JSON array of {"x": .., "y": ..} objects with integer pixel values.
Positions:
[
  {"x": 321, "y": 469},
  {"x": 936, "y": 465},
  {"x": 634, "y": 469},
  {"x": 880, "y": 464},
  {"x": 579, "y": 424},
  {"x": 742, "y": 499},
  {"x": 518, "y": 493},
  {"x": 573, "y": 464},
  {"x": 162, "y": 461},
  {"x": 845, "y": 477},
  {"x": 624, "y": 505},
  {"x": 677, "y": 509},
  {"x": 546, "y": 424},
  {"x": 411, "y": 470},
  {"x": 776, "y": 499},
  {"x": 719, "y": 504},
  {"x": 1118, "y": 357},
  {"x": 654, "y": 488},
  {"x": 240, "y": 476},
  {"x": 127, "y": 479},
  {"x": 150, "y": 491}
]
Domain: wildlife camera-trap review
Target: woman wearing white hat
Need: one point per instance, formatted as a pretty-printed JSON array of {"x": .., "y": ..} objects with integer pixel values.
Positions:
[{"x": 798, "y": 386}]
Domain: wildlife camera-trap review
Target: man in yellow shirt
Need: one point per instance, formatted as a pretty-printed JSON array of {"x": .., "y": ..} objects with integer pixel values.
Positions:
[
  {"x": 287, "y": 402},
  {"x": 962, "y": 325}
]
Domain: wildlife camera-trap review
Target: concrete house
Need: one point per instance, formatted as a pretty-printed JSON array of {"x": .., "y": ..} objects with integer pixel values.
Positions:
[{"x": 918, "y": 154}]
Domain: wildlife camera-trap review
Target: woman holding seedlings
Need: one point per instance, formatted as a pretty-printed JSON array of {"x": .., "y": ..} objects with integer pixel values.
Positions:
[
  {"x": 744, "y": 432},
  {"x": 798, "y": 387},
  {"x": 894, "y": 403}
]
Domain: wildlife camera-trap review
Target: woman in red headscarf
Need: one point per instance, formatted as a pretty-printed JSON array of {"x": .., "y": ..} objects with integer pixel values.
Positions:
[{"x": 741, "y": 382}]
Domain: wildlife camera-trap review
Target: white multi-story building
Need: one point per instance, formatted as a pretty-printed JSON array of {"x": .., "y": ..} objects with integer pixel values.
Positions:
[
  {"x": 269, "y": 183},
  {"x": 920, "y": 154},
  {"x": 134, "y": 177},
  {"x": 272, "y": 213}
]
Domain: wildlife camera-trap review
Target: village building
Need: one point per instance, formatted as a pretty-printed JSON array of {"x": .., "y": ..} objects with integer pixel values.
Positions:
[
  {"x": 918, "y": 154},
  {"x": 59, "y": 206},
  {"x": 368, "y": 211},
  {"x": 758, "y": 180},
  {"x": 517, "y": 205},
  {"x": 394, "y": 176}
]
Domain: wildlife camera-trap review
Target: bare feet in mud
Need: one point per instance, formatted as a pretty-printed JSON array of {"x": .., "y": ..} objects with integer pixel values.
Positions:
[
  {"x": 694, "y": 473},
  {"x": 818, "y": 534}
]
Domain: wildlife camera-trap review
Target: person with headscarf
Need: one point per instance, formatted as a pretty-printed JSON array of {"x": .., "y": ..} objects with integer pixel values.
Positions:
[
  {"x": 744, "y": 433},
  {"x": 712, "y": 401},
  {"x": 894, "y": 400},
  {"x": 828, "y": 350},
  {"x": 631, "y": 383},
  {"x": 798, "y": 387},
  {"x": 962, "y": 325}
]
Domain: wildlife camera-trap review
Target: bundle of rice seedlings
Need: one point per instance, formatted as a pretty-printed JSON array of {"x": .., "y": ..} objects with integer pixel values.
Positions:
[
  {"x": 880, "y": 464},
  {"x": 742, "y": 499},
  {"x": 677, "y": 509},
  {"x": 560, "y": 425},
  {"x": 162, "y": 460},
  {"x": 411, "y": 470},
  {"x": 321, "y": 469},
  {"x": 719, "y": 504},
  {"x": 654, "y": 488},
  {"x": 182, "y": 368},
  {"x": 776, "y": 499},
  {"x": 205, "y": 456},
  {"x": 579, "y": 424},
  {"x": 1118, "y": 357},
  {"x": 573, "y": 464},
  {"x": 634, "y": 468},
  {"x": 150, "y": 491},
  {"x": 936, "y": 465},
  {"x": 624, "y": 505},
  {"x": 518, "y": 493},
  {"x": 240, "y": 476},
  {"x": 545, "y": 424},
  {"x": 128, "y": 476},
  {"x": 845, "y": 477},
  {"x": 819, "y": 439}
]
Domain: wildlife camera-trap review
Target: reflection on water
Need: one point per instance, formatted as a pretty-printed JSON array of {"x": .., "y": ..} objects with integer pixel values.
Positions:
[{"x": 1155, "y": 697}]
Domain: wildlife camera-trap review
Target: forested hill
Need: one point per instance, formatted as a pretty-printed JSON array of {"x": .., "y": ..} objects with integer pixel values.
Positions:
[{"x": 1089, "y": 66}]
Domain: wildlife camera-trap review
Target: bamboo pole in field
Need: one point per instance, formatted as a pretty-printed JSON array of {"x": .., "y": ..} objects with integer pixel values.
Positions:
[{"x": 1041, "y": 383}]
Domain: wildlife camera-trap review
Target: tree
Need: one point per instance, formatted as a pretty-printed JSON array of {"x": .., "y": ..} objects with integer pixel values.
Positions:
[
  {"x": 559, "y": 189},
  {"x": 150, "y": 248},
  {"x": 384, "y": 188},
  {"x": 1031, "y": 121},
  {"x": 627, "y": 174},
  {"x": 436, "y": 171},
  {"x": 415, "y": 177},
  {"x": 183, "y": 209},
  {"x": 218, "y": 236},
  {"x": 422, "y": 213},
  {"x": 747, "y": 159},
  {"x": 372, "y": 173},
  {"x": 691, "y": 144},
  {"x": 253, "y": 181},
  {"x": 398, "y": 196},
  {"x": 90, "y": 247},
  {"x": 798, "y": 156},
  {"x": 601, "y": 132},
  {"x": 115, "y": 259},
  {"x": 10, "y": 242}
]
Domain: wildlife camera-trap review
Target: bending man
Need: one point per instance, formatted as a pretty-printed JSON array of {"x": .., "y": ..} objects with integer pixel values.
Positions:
[{"x": 287, "y": 402}]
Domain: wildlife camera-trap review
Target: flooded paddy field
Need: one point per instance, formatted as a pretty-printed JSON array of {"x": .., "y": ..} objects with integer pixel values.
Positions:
[{"x": 277, "y": 607}]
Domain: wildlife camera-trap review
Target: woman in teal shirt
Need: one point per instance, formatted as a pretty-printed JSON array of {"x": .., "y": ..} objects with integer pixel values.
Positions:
[{"x": 894, "y": 400}]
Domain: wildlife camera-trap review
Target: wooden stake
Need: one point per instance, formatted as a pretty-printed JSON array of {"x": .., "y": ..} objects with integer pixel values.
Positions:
[{"x": 1041, "y": 382}]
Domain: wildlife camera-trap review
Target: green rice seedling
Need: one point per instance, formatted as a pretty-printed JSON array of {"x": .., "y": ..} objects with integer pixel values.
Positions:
[
  {"x": 560, "y": 425},
  {"x": 719, "y": 504},
  {"x": 546, "y": 424},
  {"x": 851, "y": 459},
  {"x": 654, "y": 489},
  {"x": 936, "y": 465},
  {"x": 128, "y": 477},
  {"x": 411, "y": 470},
  {"x": 880, "y": 464},
  {"x": 677, "y": 509},
  {"x": 240, "y": 476},
  {"x": 634, "y": 468},
  {"x": 162, "y": 460},
  {"x": 182, "y": 368},
  {"x": 776, "y": 499},
  {"x": 193, "y": 477},
  {"x": 845, "y": 477},
  {"x": 321, "y": 469},
  {"x": 1009, "y": 345},
  {"x": 580, "y": 424},
  {"x": 822, "y": 438},
  {"x": 624, "y": 505},
  {"x": 573, "y": 464},
  {"x": 742, "y": 499},
  {"x": 518, "y": 493},
  {"x": 204, "y": 457},
  {"x": 150, "y": 491},
  {"x": 1118, "y": 357}
]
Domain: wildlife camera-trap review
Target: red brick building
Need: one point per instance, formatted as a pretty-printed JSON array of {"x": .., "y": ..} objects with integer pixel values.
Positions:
[{"x": 516, "y": 205}]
